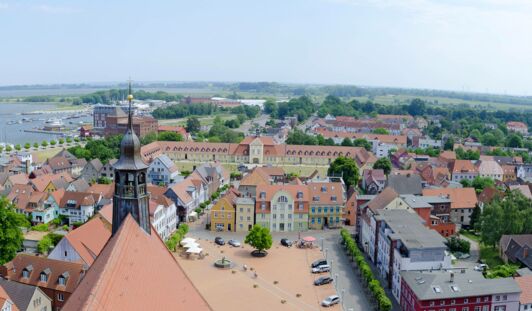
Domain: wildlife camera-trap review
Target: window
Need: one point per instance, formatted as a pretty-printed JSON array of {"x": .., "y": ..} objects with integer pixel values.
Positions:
[
  {"x": 43, "y": 277},
  {"x": 497, "y": 298},
  {"x": 25, "y": 273},
  {"x": 62, "y": 280},
  {"x": 477, "y": 308},
  {"x": 465, "y": 309},
  {"x": 333, "y": 198},
  {"x": 466, "y": 300},
  {"x": 60, "y": 297},
  {"x": 504, "y": 297},
  {"x": 282, "y": 199}
]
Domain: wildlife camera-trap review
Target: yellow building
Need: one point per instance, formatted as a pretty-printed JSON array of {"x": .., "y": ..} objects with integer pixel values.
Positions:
[
  {"x": 223, "y": 213},
  {"x": 245, "y": 214}
]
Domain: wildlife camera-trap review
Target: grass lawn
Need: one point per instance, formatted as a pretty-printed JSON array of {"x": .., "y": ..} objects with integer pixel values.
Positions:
[
  {"x": 204, "y": 120},
  {"x": 490, "y": 256},
  {"x": 470, "y": 235}
]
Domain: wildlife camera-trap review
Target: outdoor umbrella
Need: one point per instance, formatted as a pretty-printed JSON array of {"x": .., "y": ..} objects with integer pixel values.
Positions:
[
  {"x": 191, "y": 245},
  {"x": 309, "y": 239},
  {"x": 187, "y": 240},
  {"x": 194, "y": 250}
]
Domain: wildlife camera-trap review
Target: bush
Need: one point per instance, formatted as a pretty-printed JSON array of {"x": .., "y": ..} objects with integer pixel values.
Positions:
[
  {"x": 40, "y": 228},
  {"x": 458, "y": 245}
]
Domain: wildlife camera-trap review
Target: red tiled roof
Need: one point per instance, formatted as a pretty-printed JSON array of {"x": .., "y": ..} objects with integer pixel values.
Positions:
[
  {"x": 135, "y": 271},
  {"x": 89, "y": 239},
  {"x": 525, "y": 283},
  {"x": 390, "y": 139},
  {"x": 464, "y": 166},
  {"x": 383, "y": 199},
  {"x": 460, "y": 197}
]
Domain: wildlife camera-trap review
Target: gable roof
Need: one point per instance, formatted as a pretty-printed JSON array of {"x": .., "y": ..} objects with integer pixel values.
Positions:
[
  {"x": 80, "y": 184},
  {"x": 54, "y": 269},
  {"x": 79, "y": 199},
  {"x": 41, "y": 182},
  {"x": 4, "y": 296},
  {"x": 59, "y": 163},
  {"x": 460, "y": 197},
  {"x": 18, "y": 179},
  {"x": 525, "y": 283},
  {"x": 122, "y": 278},
  {"x": 383, "y": 199},
  {"x": 464, "y": 166},
  {"x": 19, "y": 293},
  {"x": 96, "y": 164},
  {"x": 405, "y": 184},
  {"x": 524, "y": 189},
  {"x": 89, "y": 239}
]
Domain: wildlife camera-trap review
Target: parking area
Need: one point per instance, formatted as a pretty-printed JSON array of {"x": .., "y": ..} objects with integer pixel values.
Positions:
[{"x": 283, "y": 279}]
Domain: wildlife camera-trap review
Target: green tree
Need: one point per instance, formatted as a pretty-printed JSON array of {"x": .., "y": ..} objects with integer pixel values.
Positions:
[
  {"x": 18, "y": 147},
  {"x": 193, "y": 125},
  {"x": 259, "y": 238},
  {"x": 480, "y": 183},
  {"x": 381, "y": 131},
  {"x": 417, "y": 107},
  {"x": 449, "y": 144},
  {"x": 148, "y": 138},
  {"x": 10, "y": 233},
  {"x": 36, "y": 145},
  {"x": 76, "y": 139},
  {"x": 514, "y": 141},
  {"x": 1, "y": 149},
  {"x": 9, "y": 148},
  {"x": 384, "y": 164},
  {"x": 347, "y": 142},
  {"x": 270, "y": 107},
  {"x": 105, "y": 180},
  {"x": 170, "y": 136},
  {"x": 27, "y": 146},
  {"x": 68, "y": 140},
  {"x": 361, "y": 142},
  {"x": 61, "y": 141},
  {"x": 347, "y": 169},
  {"x": 53, "y": 142}
]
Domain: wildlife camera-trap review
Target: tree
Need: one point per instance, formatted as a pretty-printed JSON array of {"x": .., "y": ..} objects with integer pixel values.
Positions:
[
  {"x": 1, "y": 149},
  {"x": 18, "y": 147},
  {"x": 68, "y": 140},
  {"x": 105, "y": 180},
  {"x": 449, "y": 144},
  {"x": 9, "y": 148},
  {"x": 53, "y": 142},
  {"x": 61, "y": 141},
  {"x": 76, "y": 139},
  {"x": 381, "y": 131},
  {"x": 259, "y": 238},
  {"x": 193, "y": 125},
  {"x": 361, "y": 142},
  {"x": 36, "y": 145},
  {"x": 417, "y": 107},
  {"x": 514, "y": 141},
  {"x": 148, "y": 138},
  {"x": 480, "y": 183},
  {"x": 384, "y": 164},
  {"x": 347, "y": 169},
  {"x": 27, "y": 146},
  {"x": 270, "y": 107},
  {"x": 10, "y": 233},
  {"x": 347, "y": 142},
  {"x": 170, "y": 136}
]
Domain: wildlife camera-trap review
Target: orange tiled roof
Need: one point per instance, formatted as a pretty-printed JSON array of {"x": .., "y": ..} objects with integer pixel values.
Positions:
[
  {"x": 390, "y": 139},
  {"x": 326, "y": 190},
  {"x": 89, "y": 239},
  {"x": 464, "y": 166},
  {"x": 460, "y": 197},
  {"x": 135, "y": 271},
  {"x": 525, "y": 283}
]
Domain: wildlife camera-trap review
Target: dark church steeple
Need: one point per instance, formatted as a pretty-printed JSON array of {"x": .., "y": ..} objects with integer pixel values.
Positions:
[{"x": 131, "y": 195}]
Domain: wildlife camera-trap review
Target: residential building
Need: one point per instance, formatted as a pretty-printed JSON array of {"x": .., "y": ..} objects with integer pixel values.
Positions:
[
  {"x": 524, "y": 189},
  {"x": 163, "y": 212},
  {"x": 458, "y": 290},
  {"x": 404, "y": 244},
  {"x": 135, "y": 259},
  {"x": 282, "y": 207},
  {"x": 57, "y": 279},
  {"x": 187, "y": 195},
  {"x": 490, "y": 169},
  {"x": 223, "y": 212},
  {"x": 45, "y": 212},
  {"x": 509, "y": 173},
  {"x": 248, "y": 185},
  {"x": 51, "y": 182},
  {"x": 6, "y": 304},
  {"x": 518, "y": 127},
  {"x": 463, "y": 201},
  {"x": 373, "y": 181},
  {"x": 525, "y": 300},
  {"x": 26, "y": 297},
  {"x": 405, "y": 184},
  {"x": 91, "y": 171},
  {"x": 77, "y": 206},
  {"x": 256, "y": 150},
  {"x": 463, "y": 169},
  {"x": 86, "y": 131},
  {"x": 83, "y": 244},
  {"x": 426, "y": 142},
  {"x": 327, "y": 202},
  {"x": 108, "y": 170},
  {"x": 524, "y": 172},
  {"x": 142, "y": 125},
  {"x": 516, "y": 248},
  {"x": 175, "y": 129},
  {"x": 79, "y": 185},
  {"x": 162, "y": 171},
  {"x": 245, "y": 214}
]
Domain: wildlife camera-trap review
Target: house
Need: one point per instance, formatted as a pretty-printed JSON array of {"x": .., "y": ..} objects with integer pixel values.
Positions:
[
  {"x": 463, "y": 169},
  {"x": 79, "y": 185},
  {"x": 518, "y": 127},
  {"x": 107, "y": 170},
  {"x": 25, "y": 297},
  {"x": 524, "y": 189},
  {"x": 11, "y": 180},
  {"x": 31, "y": 241},
  {"x": 91, "y": 171},
  {"x": 433, "y": 175},
  {"x": 435, "y": 211},
  {"x": 34, "y": 204},
  {"x": 426, "y": 142},
  {"x": 405, "y": 184},
  {"x": 85, "y": 131},
  {"x": 175, "y": 129},
  {"x": 51, "y": 182},
  {"x": 488, "y": 194},
  {"x": 463, "y": 201},
  {"x": 490, "y": 169},
  {"x": 83, "y": 244},
  {"x": 59, "y": 164},
  {"x": 327, "y": 202},
  {"x": 77, "y": 206},
  {"x": 509, "y": 173},
  {"x": 248, "y": 185},
  {"x": 57, "y": 279},
  {"x": 457, "y": 289},
  {"x": 405, "y": 244},
  {"x": 223, "y": 212},
  {"x": 163, "y": 212},
  {"x": 106, "y": 191},
  {"x": 373, "y": 181},
  {"x": 186, "y": 197},
  {"x": 6, "y": 303},
  {"x": 245, "y": 214},
  {"x": 525, "y": 300},
  {"x": 162, "y": 170},
  {"x": 516, "y": 248},
  {"x": 282, "y": 207},
  {"x": 401, "y": 159}
]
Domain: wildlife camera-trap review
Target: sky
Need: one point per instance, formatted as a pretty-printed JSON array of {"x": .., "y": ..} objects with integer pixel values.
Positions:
[{"x": 465, "y": 45}]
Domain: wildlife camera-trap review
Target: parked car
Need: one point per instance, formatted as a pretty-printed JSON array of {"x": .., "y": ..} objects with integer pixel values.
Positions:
[
  {"x": 318, "y": 262},
  {"x": 481, "y": 267},
  {"x": 321, "y": 269},
  {"x": 330, "y": 301},
  {"x": 323, "y": 280},
  {"x": 286, "y": 242},
  {"x": 234, "y": 243},
  {"x": 218, "y": 240}
]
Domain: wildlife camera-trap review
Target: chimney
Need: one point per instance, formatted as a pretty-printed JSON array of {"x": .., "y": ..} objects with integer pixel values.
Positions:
[
  {"x": 452, "y": 277},
  {"x": 525, "y": 251}
]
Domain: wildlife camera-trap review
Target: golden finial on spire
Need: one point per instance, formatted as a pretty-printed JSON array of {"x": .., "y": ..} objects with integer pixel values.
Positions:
[{"x": 130, "y": 95}]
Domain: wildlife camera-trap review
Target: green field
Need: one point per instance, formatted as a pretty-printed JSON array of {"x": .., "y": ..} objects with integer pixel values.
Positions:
[{"x": 204, "y": 120}]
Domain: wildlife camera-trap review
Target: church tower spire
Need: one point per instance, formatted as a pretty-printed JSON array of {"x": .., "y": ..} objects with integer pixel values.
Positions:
[{"x": 131, "y": 194}]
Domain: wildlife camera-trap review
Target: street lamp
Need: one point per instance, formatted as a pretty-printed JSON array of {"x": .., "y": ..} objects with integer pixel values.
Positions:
[
  {"x": 336, "y": 280},
  {"x": 342, "y": 298},
  {"x": 325, "y": 254}
]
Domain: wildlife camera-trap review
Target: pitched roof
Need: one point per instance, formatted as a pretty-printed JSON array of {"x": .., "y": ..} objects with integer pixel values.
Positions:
[
  {"x": 464, "y": 166},
  {"x": 41, "y": 182},
  {"x": 54, "y": 268},
  {"x": 254, "y": 178},
  {"x": 18, "y": 179},
  {"x": 80, "y": 184},
  {"x": 327, "y": 192},
  {"x": 524, "y": 189},
  {"x": 78, "y": 199},
  {"x": 180, "y": 190},
  {"x": 89, "y": 239},
  {"x": 383, "y": 199},
  {"x": 525, "y": 283},
  {"x": 5, "y": 297},
  {"x": 490, "y": 167},
  {"x": 21, "y": 294},
  {"x": 107, "y": 213},
  {"x": 96, "y": 164},
  {"x": 106, "y": 191},
  {"x": 489, "y": 193},
  {"x": 405, "y": 184},
  {"x": 374, "y": 175},
  {"x": 59, "y": 163},
  {"x": 460, "y": 197},
  {"x": 390, "y": 139},
  {"x": 123, "y": 277}
]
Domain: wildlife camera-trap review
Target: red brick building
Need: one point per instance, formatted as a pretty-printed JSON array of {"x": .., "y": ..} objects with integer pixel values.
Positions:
[{"x": 116, "y": 125}]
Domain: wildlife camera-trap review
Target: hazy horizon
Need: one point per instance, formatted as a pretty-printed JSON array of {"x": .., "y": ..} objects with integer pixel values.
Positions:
[{"x": 481, "y": 46}]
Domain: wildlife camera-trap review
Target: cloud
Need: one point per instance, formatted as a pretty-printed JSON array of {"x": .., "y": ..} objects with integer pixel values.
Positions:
[{"x": 52, "y": 9}]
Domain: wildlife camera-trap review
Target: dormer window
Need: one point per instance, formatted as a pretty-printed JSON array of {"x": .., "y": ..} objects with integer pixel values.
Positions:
[
  {"x": 43, "y": 277},
  {"x": 263, "y": 195},
  {"x": 62, "y": 280},
  {"x": 323, "y": 188},
  {"x": 282, "y": 199}
]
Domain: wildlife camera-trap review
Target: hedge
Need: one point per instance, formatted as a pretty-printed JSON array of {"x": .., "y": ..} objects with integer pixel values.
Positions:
[
  {"x": 176, "y": 237},
  {"x": 385, "y": 304}
]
